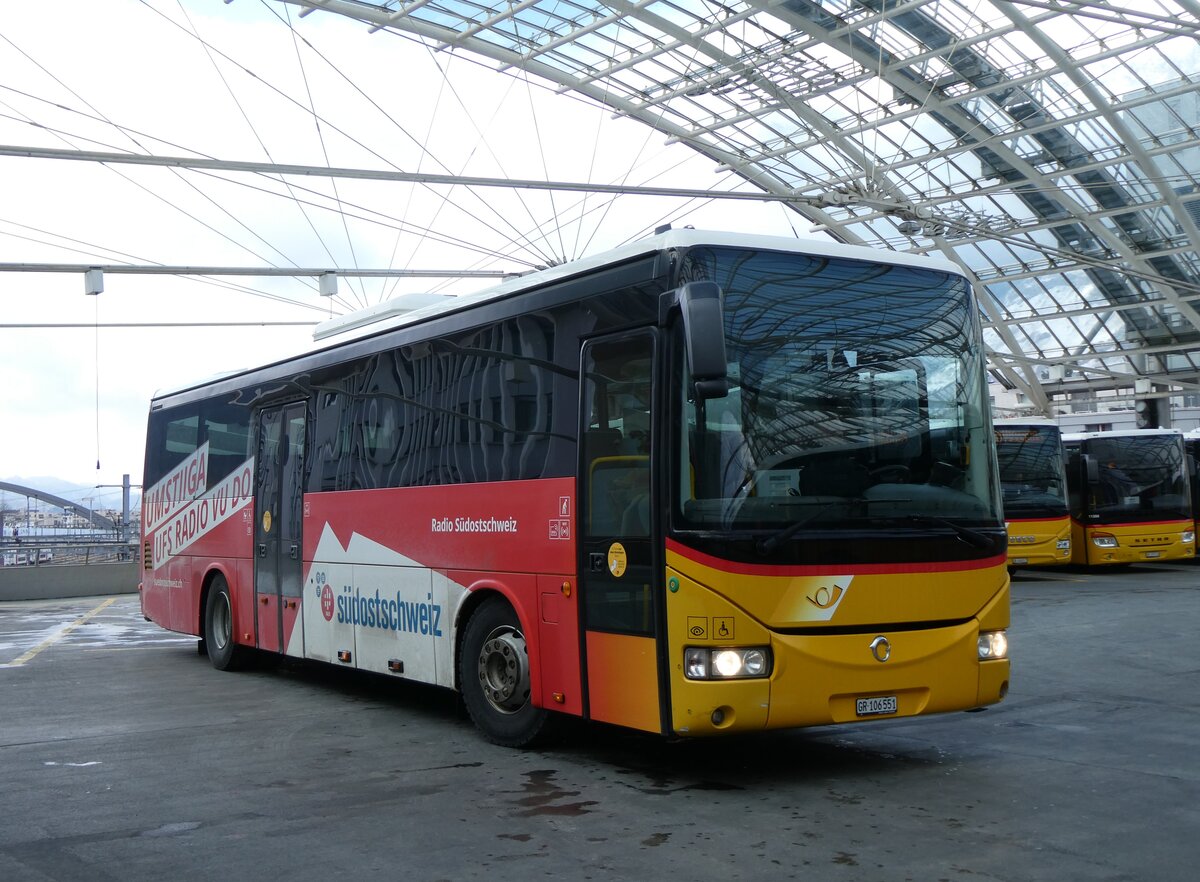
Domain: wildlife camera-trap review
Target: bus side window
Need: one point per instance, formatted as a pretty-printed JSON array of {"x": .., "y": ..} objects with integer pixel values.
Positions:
[
  {"x": 620, "y": 496},
  {"x": 616, "y": 441}
]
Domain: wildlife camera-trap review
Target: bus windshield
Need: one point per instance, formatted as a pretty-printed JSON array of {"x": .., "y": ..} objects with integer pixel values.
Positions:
[
  {"x": 1032, "y": 474},
  {"x": 856, "y": 398},
  {"x": 1141, "y": 476}
]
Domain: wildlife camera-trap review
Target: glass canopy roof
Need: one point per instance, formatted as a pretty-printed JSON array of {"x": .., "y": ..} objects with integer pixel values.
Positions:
[{"x": 1050, "y": 147}]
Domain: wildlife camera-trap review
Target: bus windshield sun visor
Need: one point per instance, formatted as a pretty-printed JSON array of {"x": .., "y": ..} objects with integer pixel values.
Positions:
[{"x": 703, "y": 307}]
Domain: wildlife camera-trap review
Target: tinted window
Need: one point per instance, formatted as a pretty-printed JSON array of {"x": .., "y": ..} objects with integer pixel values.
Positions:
[
  {"x": 489, "y": 405},
  {"x": 172, "y": 436},
  {"x": 175, "y": 434},
  {"x": 856, "y": 395}
]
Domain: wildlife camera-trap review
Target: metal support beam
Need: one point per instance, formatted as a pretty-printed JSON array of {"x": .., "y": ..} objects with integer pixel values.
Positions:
[
  {"x": 367, "y": 174},
  {"x": 315, "y": 272}
]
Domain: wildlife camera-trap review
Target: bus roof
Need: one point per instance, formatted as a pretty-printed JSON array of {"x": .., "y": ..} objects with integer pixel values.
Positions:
[{"x": 413, "y": 309}]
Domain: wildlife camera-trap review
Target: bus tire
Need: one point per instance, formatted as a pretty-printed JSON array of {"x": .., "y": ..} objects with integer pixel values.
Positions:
[
  {"x": 494, "y": 673},
  {"x": 223, "y": 651}
]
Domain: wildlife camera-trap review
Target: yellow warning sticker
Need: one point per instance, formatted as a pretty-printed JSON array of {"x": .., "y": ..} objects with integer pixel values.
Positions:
[{"x": 617, "y": 561}]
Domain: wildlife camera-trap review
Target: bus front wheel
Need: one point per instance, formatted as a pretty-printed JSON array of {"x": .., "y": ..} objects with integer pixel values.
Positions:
[
  {"x": 494, "y": 673},
  {"x": 223, "y": 651}
]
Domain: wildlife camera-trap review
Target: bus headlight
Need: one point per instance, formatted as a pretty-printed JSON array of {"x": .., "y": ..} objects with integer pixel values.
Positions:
[
  {"x": 1063, "y": 544},
  {"x": 993, "y": 645},
  {"x": 703, "y": 663},
  {"x": 1104, "y": 540},
  {"x": 1188, "y": 537}
]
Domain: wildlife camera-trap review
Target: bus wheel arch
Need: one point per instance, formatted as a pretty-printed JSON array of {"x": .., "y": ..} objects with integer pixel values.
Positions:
[
  {"x": 494, "y": 674},
  {"x": 477, "y": 594},
  {"x": 219, "y": 634}
]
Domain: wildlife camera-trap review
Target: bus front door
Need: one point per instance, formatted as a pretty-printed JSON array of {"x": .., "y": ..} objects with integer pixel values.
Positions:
[
  {"x": 278, "y": 501},
  {"x": 618, "y": 532}
]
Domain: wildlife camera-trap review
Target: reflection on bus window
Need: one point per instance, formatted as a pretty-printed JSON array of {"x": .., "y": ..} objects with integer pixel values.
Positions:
[
  {"x": 617, "y": 436},
  {"x": 838, "y": 418}
]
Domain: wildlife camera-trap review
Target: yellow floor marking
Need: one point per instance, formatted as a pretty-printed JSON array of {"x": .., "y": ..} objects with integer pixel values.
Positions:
[{"x": 57, "y": 635}]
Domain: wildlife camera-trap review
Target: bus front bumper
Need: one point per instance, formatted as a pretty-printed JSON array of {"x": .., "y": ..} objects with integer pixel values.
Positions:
[{"x": 823, "y": 679}]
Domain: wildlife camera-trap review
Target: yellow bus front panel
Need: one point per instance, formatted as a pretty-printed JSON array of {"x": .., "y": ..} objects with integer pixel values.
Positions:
[
  {"x": 1133, "y": 543},
  {"x": 838, "y": 664},
  {"x": 1039, "y": 542}
]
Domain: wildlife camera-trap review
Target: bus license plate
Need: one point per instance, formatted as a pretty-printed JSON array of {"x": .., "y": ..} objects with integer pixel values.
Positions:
[
  {"x": 1153, "y": 553},
  {"x": 871, "y": 707}
]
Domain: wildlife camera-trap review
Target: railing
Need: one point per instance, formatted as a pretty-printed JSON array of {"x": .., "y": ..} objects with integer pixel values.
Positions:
[{"x": 43, "y": 553}]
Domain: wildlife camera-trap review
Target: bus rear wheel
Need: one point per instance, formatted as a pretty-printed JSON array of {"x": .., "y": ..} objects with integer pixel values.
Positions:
[
  {"x": 494, "y": 673},
  {"x": 223, "y": 651}
]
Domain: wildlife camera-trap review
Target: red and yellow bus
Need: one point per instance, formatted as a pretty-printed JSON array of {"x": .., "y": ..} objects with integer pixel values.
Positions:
[
  {"x": 704, "y": 483},
  {"x": 1130, "y": 497},
  {"x": 1033, "y": 480}
]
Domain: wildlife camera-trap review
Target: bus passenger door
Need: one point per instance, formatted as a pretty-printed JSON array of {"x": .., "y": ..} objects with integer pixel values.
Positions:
[
  {"x": 278, "y": 501},
  {"x": 618, "y": 534}
]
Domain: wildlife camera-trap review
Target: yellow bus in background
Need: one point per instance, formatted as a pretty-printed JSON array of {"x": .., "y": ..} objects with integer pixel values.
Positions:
[
  {"x": 1130, "y": 497},
  {"x": 1191, "y": 442},
  {"x": 1033, "y": 481}
]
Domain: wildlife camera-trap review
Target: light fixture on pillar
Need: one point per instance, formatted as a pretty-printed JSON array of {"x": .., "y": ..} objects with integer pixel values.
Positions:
[
  {"x": 328, "y": 283},
  {"x": 93, "y": 281},
  {"x": 1147, "y": 411},
  {"x": 93, "y": 284}
]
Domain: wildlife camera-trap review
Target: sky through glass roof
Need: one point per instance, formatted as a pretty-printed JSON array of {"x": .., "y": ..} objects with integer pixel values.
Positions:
[{"x": 1050, "y": 147}]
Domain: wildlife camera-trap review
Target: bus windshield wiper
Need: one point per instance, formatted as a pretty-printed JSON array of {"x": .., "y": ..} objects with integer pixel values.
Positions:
[
  {"x": 971, "y": 537},
  {"x": 766, "y": 546},
  {"x": 769, "y": 544}
]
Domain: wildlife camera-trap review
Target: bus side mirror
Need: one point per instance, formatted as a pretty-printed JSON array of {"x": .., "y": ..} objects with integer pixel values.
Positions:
[
  {"x": 702, "y": 305},
  {"x": 1091, "y": 469}
]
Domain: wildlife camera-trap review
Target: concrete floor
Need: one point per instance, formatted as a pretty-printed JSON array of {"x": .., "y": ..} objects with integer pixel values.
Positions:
[{"x": 125, "y": 756}]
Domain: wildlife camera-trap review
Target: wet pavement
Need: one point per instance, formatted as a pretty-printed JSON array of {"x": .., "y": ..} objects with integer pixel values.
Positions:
[{"x": 124, "y": 755}]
